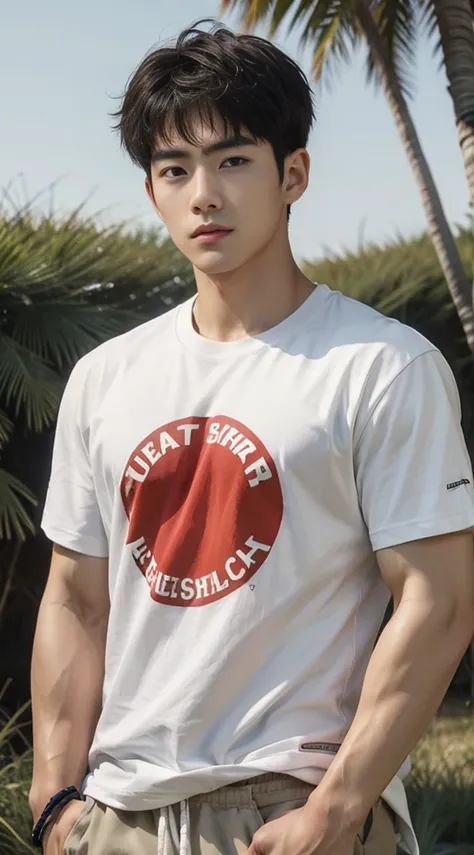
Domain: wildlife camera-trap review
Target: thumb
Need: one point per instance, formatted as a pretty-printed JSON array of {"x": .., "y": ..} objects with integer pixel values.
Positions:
[{"x": 259, "y": 845}]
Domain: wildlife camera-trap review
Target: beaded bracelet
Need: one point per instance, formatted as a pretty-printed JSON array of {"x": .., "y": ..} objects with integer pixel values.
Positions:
[{"x": 60, "y": 800}]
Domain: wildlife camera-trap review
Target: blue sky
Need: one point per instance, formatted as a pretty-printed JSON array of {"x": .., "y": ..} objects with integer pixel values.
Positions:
[{"x": 62, "y": 64}]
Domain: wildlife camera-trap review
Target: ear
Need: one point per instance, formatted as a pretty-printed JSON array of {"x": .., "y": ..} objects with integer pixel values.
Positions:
[
  {"x": 296, "y": 175},
  {"x": 151, "y": 195}
]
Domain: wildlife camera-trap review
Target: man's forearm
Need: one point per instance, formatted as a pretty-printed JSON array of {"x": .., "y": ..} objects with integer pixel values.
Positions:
[
  {"x": 407, "y": 677},
  {"x": 67, "y": 679}
]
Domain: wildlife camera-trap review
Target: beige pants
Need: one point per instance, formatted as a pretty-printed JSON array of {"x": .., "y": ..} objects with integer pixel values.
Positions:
[{"x": 218, "y": 823}]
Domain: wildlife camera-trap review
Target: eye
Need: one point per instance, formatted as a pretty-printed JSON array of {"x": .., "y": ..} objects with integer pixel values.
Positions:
[
  {"x": 235, "y": 161},
  {"x": 173, "y": 172}
]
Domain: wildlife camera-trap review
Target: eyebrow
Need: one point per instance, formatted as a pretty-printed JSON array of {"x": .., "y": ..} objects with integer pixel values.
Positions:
[{"x": 229, "y": 142}]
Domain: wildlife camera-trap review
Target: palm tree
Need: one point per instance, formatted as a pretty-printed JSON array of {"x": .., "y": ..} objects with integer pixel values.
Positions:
[
  {"x": 455, "y": 22},
  {"x": 388, "y": 27}
]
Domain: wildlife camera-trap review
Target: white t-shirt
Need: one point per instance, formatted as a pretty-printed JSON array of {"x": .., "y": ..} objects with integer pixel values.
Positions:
[{"x": 240, "y": 490}]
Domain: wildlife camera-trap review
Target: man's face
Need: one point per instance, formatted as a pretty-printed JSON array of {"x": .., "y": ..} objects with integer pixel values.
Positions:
[{"x": 229, "y": 183}]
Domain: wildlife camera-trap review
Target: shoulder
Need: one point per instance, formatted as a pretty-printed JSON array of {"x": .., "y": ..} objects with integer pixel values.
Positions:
[
  {"x": 377, "y": 356},
  {"x": 376, "y": 346},
  {"x": 368, "y": 330}
]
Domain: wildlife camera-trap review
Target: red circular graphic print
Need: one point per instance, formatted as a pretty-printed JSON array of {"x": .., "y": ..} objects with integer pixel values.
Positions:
[{"x": 204, "y": 504}]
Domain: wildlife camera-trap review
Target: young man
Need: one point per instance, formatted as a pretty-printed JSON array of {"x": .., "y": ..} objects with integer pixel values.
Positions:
[{"x": 238, "y": 487}]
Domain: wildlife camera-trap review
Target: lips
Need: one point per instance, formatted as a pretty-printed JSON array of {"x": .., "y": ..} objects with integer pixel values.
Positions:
[{"x": 210, "y": 229}]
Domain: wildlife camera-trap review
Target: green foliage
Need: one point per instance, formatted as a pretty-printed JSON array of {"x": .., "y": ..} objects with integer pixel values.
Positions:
[
  {"x": 391, "y": 276},
  {"x": 14, "y": 517},
  {"x": 441, "y": 788},
  {"x": 15, "y": 816},
  {"x": 15, "y": 777},
  {"x": 65, "y": 286}
]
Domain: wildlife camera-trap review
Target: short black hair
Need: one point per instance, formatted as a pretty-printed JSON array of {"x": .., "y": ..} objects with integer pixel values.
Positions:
[{"x": 241, "y": 80}]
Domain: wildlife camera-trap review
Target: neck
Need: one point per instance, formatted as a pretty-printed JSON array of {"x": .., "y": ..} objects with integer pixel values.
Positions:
[{"x": 254, "y": 298}]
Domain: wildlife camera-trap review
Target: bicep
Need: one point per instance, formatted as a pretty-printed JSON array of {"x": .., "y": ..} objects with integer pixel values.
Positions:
[
  {"x": 80, "y": 582},
  {"x": 436, "y": 572}
]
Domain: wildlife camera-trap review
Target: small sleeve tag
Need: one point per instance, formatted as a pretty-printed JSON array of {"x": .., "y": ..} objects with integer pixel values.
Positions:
[{"x": 321, "y": 747}]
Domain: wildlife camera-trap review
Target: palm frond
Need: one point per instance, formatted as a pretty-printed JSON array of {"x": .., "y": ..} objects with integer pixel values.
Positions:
[
  {"x": 301, "y": 9},
  {"x": 14, "y": 519},
  {"x": 397, "y": 21},
  {"x": 6, "y": 426},
  {"x": 429, "y": 24},
  {"x": 254, "y": 12},
  {"x": 73, "y": 259},
  {"x": 332, "y": 29},
  {"x": 27, "y": 385},
  {"x": 61, "y": 332},
  {"x": 327, "y": 25},
  {"x": 41, "y": 256},
  {"x": 312, "y": 14},
  {"x": 280, "y": 10},
  {"x": 309, "y": 15}
]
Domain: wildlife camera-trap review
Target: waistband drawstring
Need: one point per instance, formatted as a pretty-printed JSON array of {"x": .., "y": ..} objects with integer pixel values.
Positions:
[{"x": 172, "y": 839}]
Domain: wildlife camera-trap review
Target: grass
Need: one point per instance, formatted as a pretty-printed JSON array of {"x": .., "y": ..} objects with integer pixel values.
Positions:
[
  {"x": 440, "y": 788},
  {"x": 15, "y": 820},
  {"x": 15, "y": 776}
]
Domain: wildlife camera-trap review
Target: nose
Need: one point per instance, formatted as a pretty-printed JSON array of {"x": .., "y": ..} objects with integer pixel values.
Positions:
[{"x": 205, "y": 195}]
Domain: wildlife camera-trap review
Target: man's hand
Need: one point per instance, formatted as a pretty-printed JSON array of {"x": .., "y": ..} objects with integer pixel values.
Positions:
[
  {"x": 58, "y": 831},
  {"x": 299, "y": 832}
]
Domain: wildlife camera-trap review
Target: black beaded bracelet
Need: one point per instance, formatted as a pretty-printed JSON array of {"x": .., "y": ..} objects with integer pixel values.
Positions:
[{"x": 60, "y": 800}]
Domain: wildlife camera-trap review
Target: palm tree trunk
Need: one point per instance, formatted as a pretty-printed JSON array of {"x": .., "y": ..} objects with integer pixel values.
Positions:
[
  {"x": 456, "y": 26},
  {"x": 438, "y": 226}
]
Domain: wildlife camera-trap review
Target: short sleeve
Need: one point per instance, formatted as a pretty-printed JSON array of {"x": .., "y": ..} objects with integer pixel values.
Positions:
[
  {"x": 412, "y": 468},
  {"x": 71, "y": 516}
]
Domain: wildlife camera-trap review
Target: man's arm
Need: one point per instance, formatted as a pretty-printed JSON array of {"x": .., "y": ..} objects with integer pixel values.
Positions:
[
  {"x": 432, "y": 583},
  {"x": 67, "y": 671}
]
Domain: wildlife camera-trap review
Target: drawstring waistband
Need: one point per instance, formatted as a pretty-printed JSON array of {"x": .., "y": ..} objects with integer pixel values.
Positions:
[
  {"x": 170, "y": 837},
  {"x": 174, "y": 840}
]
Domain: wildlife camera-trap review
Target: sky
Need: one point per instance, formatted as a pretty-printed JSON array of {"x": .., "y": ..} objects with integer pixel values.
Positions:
[{"x": 63, "y": 67}]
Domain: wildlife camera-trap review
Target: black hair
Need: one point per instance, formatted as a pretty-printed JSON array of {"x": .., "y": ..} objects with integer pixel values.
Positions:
[{"x": 240, "y": 80}]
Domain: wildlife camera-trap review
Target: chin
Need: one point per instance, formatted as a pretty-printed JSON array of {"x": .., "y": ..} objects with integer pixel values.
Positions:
[
  {"x": 215, "y": 263},
  {"x": 216, "y": 266}
]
